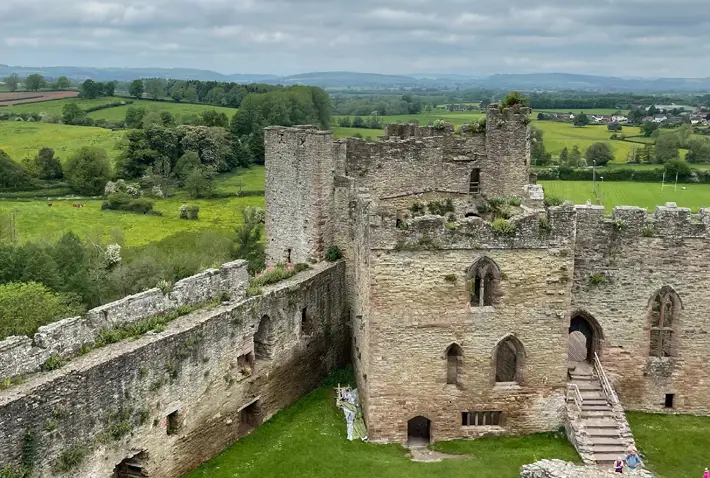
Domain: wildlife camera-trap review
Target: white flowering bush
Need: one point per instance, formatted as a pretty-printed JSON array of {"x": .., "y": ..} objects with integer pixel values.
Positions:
[{"x": 113, "y": 254}]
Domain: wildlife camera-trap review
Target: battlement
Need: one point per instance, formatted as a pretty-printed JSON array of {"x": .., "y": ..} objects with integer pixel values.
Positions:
[
  {"x": 410, "y": 130},
  {"x": 532, "y": 230},
  {"x": 629, "y": 221}
]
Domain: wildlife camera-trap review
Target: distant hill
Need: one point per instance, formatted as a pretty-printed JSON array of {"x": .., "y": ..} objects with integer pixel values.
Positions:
[{"x": 344, "y": 79}]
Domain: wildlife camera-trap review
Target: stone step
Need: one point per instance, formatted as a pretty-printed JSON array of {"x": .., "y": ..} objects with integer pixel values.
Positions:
[
  {"x": 599, "y": 449},
  {"x": 592, "y": 395},
  {"x": 596, "y": 414},
  {"x": 594, "y": 433},
  {"x": 607, "y": 457},
  {"x": 605, "y": 440},
  {"x": 593, "y": 407},
  {"x": 600, "y": 423},
  {"x": 595, "y": 401},
  {"x": 586, "y": 378}
]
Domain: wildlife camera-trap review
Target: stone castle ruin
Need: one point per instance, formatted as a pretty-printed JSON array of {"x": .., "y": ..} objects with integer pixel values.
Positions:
[{"x": 466, "y": 305}]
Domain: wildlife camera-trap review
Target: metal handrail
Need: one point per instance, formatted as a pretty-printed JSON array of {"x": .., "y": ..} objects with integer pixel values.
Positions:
[
  {"x": 577, "y": 395},
  {"x": 606, "y": 384}
]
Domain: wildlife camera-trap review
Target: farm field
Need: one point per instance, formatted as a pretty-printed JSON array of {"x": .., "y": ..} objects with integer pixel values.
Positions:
[
  {"x": 308, "y": 440},
  {"x": 54, "y": 107},
  {"x": 35, "y": 220},
  {"x": 622, "y": 193},
  {"x": 25, "y": 97},
  {"x": 591, "y": 111},
  {"x": 22, "y": 139},
  {"x": 557, "y": 136},
  {"x": 177, "y": 109},
  {"x": 455, "y": 117},
  {"x": 339, "y": 132}
]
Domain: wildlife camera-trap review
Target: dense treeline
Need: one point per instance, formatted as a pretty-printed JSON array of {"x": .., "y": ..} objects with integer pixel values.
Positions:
[
  {"x": 194, "y": 91},
  {"x": 578, "y": 100}
]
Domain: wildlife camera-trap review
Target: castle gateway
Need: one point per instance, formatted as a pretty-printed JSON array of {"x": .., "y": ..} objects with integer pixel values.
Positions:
[{"x": 477, "y": 310}]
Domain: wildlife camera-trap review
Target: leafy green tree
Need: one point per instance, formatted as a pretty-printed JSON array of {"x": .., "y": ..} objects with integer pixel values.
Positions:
[
  {"x": 134, "y": 117},
  {"x": 190, "y": 94},
  {"x": 213, "y": 145},
  {"x": 72, "y": 114},
  {"x": 35, "y": 82},
  {"x": 241, "y": 155},
  {"x": 62, "y": 83},
  {"x": 698, "y": 151},
  {"x": 167, "y": 119},
  {"x": 684, "y": 133},
  {"x": 47, "y": 166},
  {"x": 538, "y": 153},
  {"x": 613, "y": 127},
  {"x": 136, "y": 89},
  {"x": 248, "y": 243},
  {"x": 24, "y": 307},
  {"x": 679, "y": 167},
  {"x": 200, "y": 182},
  {"x": 667, "y": 146},
  {"x": 564, "y": 156},
  {"x": 358, "y": 122},
  {"x": 600, "y": 153},
  {"x": 177, "y": 91},
  {"x": 213, "y": 118},
  {"x": 575, "y": 157},
  {"x": 13, "y": 175},
  {"x": 70, "y": 257},
  {"x": 581, "y": 120},
  {"x": 648, "y": 127},
  {"x": 155, "y": 88},
  {"x": 108, "y": 88},
  {"x": 186, "y": 164},
  {"x": 91, "y": 89},
  {"x": 344, "y": 122},
  {"x": 256, "y": 146},
  {"x": 12, "y": 82},
  {"x": 88, "y": 170}
]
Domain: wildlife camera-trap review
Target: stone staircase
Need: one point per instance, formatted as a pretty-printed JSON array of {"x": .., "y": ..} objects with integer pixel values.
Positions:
[{"x": 596, "y": 423}]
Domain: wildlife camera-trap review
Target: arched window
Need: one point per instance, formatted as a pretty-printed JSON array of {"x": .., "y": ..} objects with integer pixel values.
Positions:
[
  {"x": 665, "y": 309},
  {"x": 454, "y": 357},
  {"x": 475, "y": 184},
  {"x": 509, "y": 360},
  {"x": 263, "y": 340},
  {"x": 483, "y": 281}
]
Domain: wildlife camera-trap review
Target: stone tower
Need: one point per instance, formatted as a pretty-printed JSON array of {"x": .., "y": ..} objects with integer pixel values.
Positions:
[
  {"x": 299, "y": 193},
  {"x": 507, "y": 151}
]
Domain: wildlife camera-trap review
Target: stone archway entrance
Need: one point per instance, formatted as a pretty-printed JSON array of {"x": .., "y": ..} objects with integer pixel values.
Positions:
[
  {"x": 419, "y": 431},
  {"x": 585, "y": 335}
]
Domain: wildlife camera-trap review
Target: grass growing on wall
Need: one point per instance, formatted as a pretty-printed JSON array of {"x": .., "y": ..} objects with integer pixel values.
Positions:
[{"x": 308, "y": 440}]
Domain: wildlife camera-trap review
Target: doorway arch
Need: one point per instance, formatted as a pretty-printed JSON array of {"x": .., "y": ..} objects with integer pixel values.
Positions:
[
  {"x": 585, "y": 336},
  {"x": 419, "y": 431}
]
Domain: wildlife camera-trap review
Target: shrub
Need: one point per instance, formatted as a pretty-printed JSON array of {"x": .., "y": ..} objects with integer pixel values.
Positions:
[
  {"x": 417, "y": 209},
  {"x": 496, "y": 202},
  {"x": 276, "y": 274},
  {"x": 188, "y": 211},
  {"x": 54, "y": 362},
  {"x": 441, "y": 208},
  {"x": 88, "y": 170},
  {"x": 514, "y": 98},
  {"x": 597, "y": 279},
  {"x": 503, "y": 227},
  {"x": 451, "y": 226},
  {"x": 451, "y": 278},
  {"x": 544, "y": 224},
  {"x": 120, "y": 201},
  {"x": 619, "y": 225},
  {"x": 439, "y": 124},
  {"x": 552, "y": 201},
  {"x": 333, "y": 254},
  {"x": 70, "y": 459},
  {"x": 514, "y": 201},
  {"x": 648, "y": 231}
]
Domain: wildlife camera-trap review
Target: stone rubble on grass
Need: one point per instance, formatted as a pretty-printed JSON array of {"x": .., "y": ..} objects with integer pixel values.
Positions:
[{"x": 563, "y": 469}]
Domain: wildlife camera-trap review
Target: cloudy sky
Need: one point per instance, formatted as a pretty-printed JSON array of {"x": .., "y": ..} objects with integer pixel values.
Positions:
[{"x": 607, "y": 37}]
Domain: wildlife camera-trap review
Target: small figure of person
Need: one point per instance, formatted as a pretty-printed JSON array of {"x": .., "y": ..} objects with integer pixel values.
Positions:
[
  {"x": 706, "y": 474},
  {"x": 633, "y": 460},
  {"x": 619, "y": 465}
]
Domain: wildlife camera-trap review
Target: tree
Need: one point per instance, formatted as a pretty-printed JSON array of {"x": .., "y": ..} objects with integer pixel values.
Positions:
[
  {"x": 248, "y": 243},
  {"x": 538, "y": 153},
  {"x": 581, "y": 120},
  {"x": 186, "y": 164},
  {"x": 177, "y": 91},
  {"x": 256, "y": 146},
  {"x": 62, "y": 83},
  {"x": 88, "y": 170},
  {"x": 13, "y": 175},
  {"x": 34, "y": 82},
  {"x": 358, "y": 122},
  {"x": 200, "y": 182},
  {"x": 213, "y": 118},
  {"x": 241, "y": 155},
  {"x": 698, "y": 151},
  {"x": 613, "y": 127},
  {"x": 575, "y": 157},
  {"x": 653, "y": 111},
  {"x": 564, "y": 156},
  {"x": 47, "y": 166},
  {"x": 134, "y": 117},
  {"x": 91, "y": 89},
  {"x": 72, "y": 114},
  {"x": 12, "y": 82},
  {"x": 679, "y": 167},
  {"x": 684, "y": 133},
  {"x": 108, "y": 88},
  {"x": 667, "y": 147},
  {"x": 599, "y": 152},
  {"x": 648, "y": 127},
  {"x": 155, "y": 88},
  {"x": 136, "y": 89}
]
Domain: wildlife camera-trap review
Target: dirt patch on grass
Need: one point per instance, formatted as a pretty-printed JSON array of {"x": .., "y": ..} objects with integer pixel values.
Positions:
[{"x": 20, "y": 97}]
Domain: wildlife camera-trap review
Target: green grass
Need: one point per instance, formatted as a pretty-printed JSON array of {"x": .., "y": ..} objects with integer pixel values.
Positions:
[
  {"x": 619, "y": 193},
  {"x": 558, "y": 135},
  {"x": 591, "y": 111},
  {"x": 339, "y": 132},
  {"x": 308, "y": 440},
  {"x": 54, "y": 107},
  {"x": 177, "y": 109},
  {"x": 36, "y": 221},
  {"x": 456, "y": 117},
  {"x": 22, "y": 139},
  {"x": 673, "y": 445}
]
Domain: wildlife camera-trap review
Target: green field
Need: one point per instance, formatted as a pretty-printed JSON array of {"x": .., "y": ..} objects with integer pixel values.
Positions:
[
  {"x": 54, "y": 107},
  {"x": 22, "y": 139},
  {"x": 558, "y": 135},
  {"x": 177, "y": 109},
  {"x": 456, "y": 117},
  {"x": 308, "y": 440},
  {"x": 620, "y": 193},
  {"x": 37, "y": 221},
  {"x": 591, "y": 111},
  {"x": 339, "y": 132}
]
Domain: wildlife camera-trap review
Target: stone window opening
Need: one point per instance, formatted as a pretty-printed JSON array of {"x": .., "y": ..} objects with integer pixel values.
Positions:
[
  {"x": 132, "y": 467},
  {"x": 306, "y": 322},
  {"x": 474, "y": 187},
  {"x": 483, "y": 281},
  {"x": 454, "y": 365},
  {"x": 481, "y": 419},
  {"x": 288, "y": 256},
  {"x": 245, "y": 365},
  {"x": 670, "y": 400},
  {"x": 665, "y": 309},
  {"x": 264, "y": 340},
  {"x": 509, "y": 359},
  {"x": 174, "y": 423},
  {"x": 249, "y": 417}
]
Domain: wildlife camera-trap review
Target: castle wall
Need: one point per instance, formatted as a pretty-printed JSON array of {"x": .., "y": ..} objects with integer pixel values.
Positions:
[
  {"x": 299, "y": 193},
  {"x": 114, "y": 402},
  {"x": 416, "y": 313},
  {"x": 639, "y": 254},
  {"x": 507, "y": 151}
]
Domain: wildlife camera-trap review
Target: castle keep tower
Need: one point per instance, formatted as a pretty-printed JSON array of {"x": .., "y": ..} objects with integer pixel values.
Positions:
[
  {"x": 299, "y": 193},
  {"x": 507, "y": 151}
]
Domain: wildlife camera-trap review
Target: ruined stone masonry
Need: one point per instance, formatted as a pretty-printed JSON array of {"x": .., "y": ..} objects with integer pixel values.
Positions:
[{"x": 467, "y": 307}]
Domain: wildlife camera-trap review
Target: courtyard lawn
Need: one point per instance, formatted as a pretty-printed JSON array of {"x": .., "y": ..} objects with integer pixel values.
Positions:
[
  {"x": 21, "y": 139},
  {"x": 673, "y": 445},
  {"x": 308, "y": 440},
  {"x": 35, "y": 220},
  {"x": 621, "y": 193}
]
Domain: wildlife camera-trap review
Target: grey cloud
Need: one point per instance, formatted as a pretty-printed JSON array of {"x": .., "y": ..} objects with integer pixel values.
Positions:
[{"x": 606, "y": 37}]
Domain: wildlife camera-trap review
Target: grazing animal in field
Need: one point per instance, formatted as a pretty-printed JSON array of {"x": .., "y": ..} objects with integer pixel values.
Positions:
[
  {"x": 49, "y": 204},
  {"x": 77, "y": 205}
]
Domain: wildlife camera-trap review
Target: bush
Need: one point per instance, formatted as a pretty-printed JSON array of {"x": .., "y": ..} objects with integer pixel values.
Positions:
[
  {"x": 333, "y": 254},
  {"x": 514, "y": 98},
  {"x": 54, "y": 362},
  {"x": 70, "y": 459},
  {"x": 552, "y": 201},
  {"x": 88, "y": 170},
  {"x": 120, "y": 201},
  {"x": 188, "y": 211},
  {"x": 276, "y": 274},
  {"x": 503, "y": 227},
  {"x": 441, "y": 208}
]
